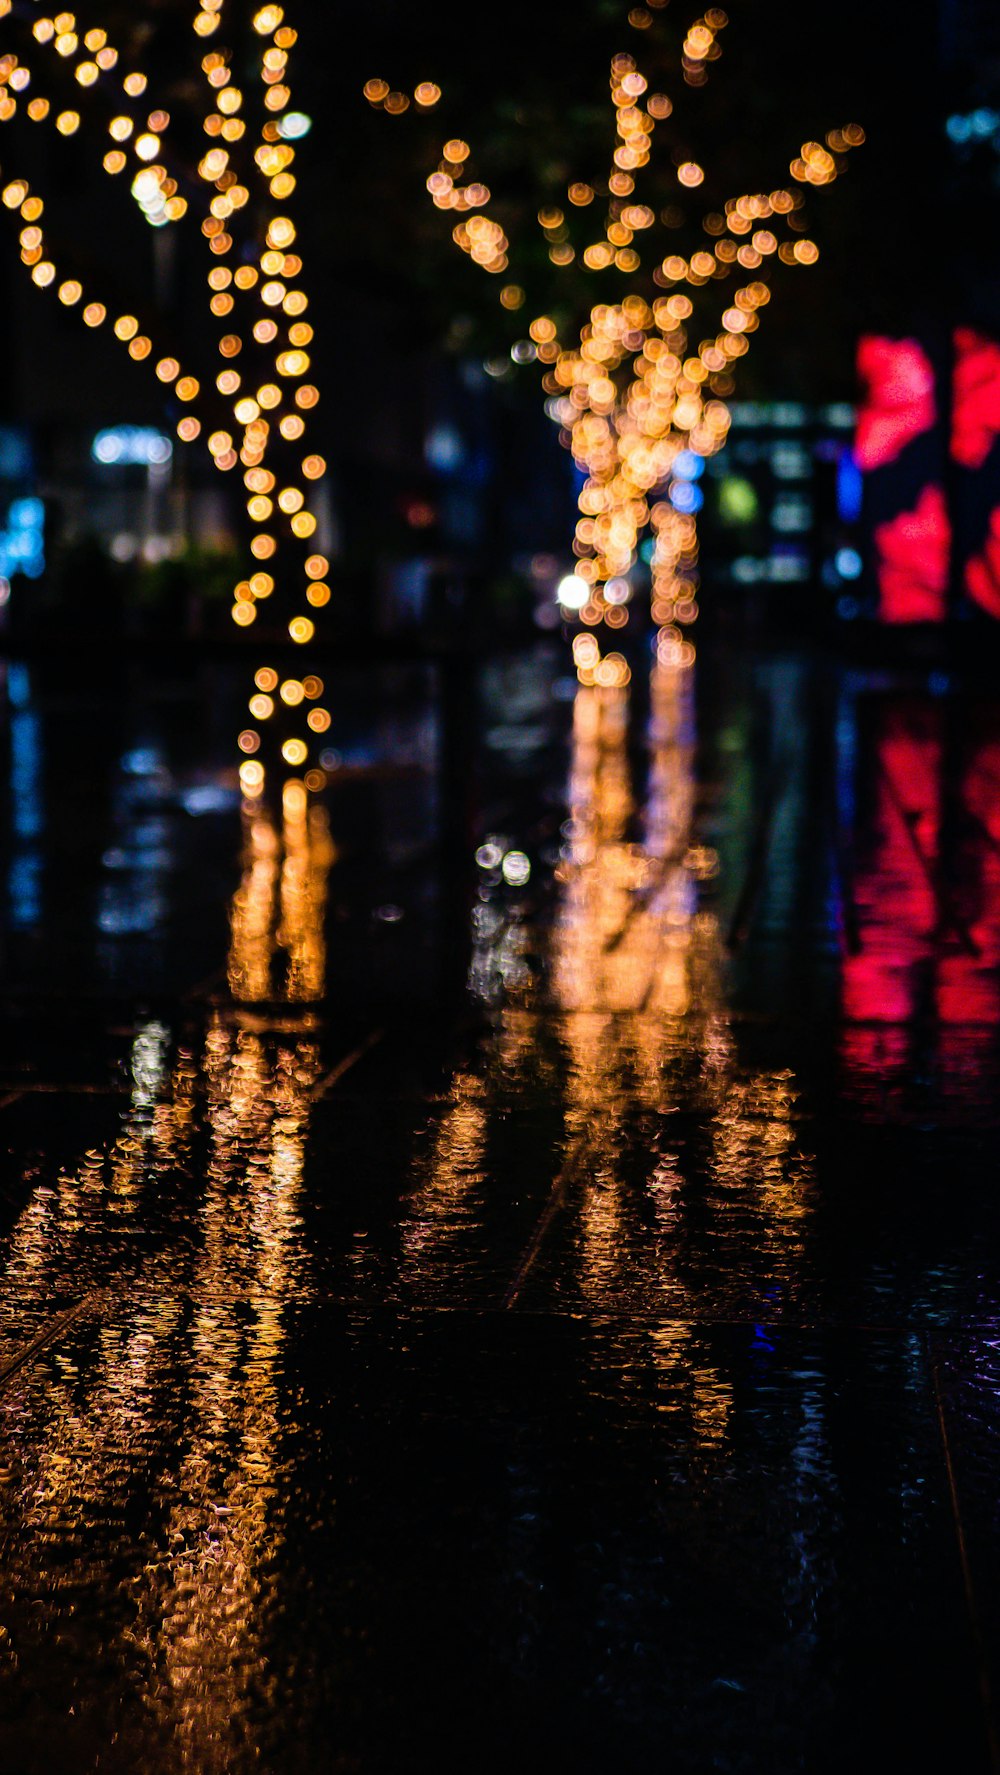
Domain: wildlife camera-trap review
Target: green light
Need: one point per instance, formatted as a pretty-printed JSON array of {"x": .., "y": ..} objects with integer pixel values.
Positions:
[{"x": 738, "y": 502}]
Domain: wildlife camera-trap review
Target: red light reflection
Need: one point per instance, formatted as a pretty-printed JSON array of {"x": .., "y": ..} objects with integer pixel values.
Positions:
[
  {"x": 895, "y": 902},
  {"x": 927, "y": 899}
]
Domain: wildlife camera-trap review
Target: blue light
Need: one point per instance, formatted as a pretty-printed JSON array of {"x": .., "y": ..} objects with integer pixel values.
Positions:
[
  {"x": 209, "y": 798},
  {"x": 26, "y": 514},
  {"x": 16, "y": 463},
  {"x": 25, "y": 772},
  {"x": 18, "y": 685},
  {"x": 970, "y": 126},
  {"x": 849, "y": 488},
  {"x": 848, "y": 563},
  {"x": 139, "y": 445},
  {"x": 444, "y": 449},
  {"x": 686, "y": 498},
  {"x": 22, "y": 540},
  {"x": 688, "y": 466},
  {"x": 26, "y": 778}
]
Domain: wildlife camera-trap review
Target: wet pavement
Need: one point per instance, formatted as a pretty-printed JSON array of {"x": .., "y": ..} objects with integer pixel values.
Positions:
[{"x": 521, "y": 1288}]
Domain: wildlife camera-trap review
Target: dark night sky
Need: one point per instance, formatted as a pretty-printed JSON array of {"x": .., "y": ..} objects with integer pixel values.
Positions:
[
  {"x": 906, "y": 242},
  {"x": 777, "y": 84}
]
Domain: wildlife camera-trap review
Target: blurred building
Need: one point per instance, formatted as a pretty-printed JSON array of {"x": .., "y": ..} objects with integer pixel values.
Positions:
[{"x": 779, "y": 510}]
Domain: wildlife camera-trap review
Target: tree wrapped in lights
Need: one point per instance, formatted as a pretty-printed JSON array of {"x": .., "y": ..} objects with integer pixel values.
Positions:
[
  {"x": 254, "y": 411},
  {"x": 638, "y": 403}
]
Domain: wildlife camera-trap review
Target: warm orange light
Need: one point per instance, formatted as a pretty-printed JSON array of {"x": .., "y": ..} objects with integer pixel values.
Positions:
[{"x": 274, "y": 276}]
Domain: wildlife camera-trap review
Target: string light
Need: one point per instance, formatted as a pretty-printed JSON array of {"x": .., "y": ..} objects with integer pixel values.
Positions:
[
  {"x": 637, "y": 403},
  {"x": 260, "y": 304}
]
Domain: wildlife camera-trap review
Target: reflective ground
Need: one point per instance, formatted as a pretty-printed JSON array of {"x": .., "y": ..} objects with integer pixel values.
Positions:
[{"x": 503, "y": 1268}]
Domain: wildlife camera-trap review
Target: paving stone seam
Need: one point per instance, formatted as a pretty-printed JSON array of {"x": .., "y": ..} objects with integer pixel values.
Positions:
[
  {"x": 61, "y": 1322},
  {"x": 570, "y": 1169},
  {"x": 327, "y": 1083},
  {"x": 981, "y": 1655}
]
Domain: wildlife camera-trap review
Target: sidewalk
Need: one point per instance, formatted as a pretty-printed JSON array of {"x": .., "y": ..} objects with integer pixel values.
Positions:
[{"x": 595, "y": 1368}]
